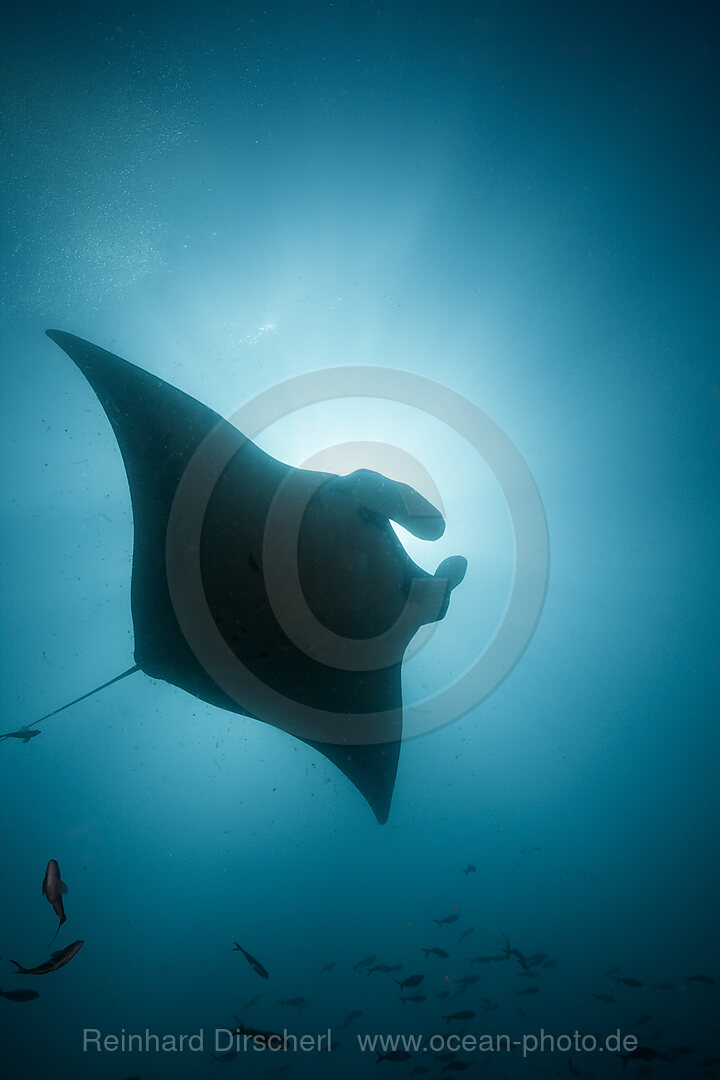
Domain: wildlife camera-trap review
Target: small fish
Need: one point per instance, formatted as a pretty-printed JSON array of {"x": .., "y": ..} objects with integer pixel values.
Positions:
[
  {"x": 54, "y": 889},
  {"x": 537, "y": 958},
  {"x": 364, "y": 963},
  {"x": 629, "y": 982},
  {"x": 644, "y": 1019},
  {"x": 227, "y": 1055},
  {"x": 300, "y": 1003},
  {"x": 262, "y": 1038},
  {"x": 251, "y": 1002},
  {"x": 465, "y": 1015},
  {"x": 468, "y": 980},
  {"x": 466, "y": 934},
  {"x": 416, "y": 998},
  {"x": 470, "y": 869},
  {"x": 254, "y": 964},
  {"x": 456, "y": 1066},
  {"x": 573, "y": 1069},
  {"x": 327, "y": 967},
  {"x": 447, "y": 920},
  {"x": 25, "y": 734},
  {"x": 643, "y": 1053},
  {"x": 527, "y": 992},
  {"x": 489, "y": 1005},
  {"x": 607, "y": 998},
  {"x": 436, "y": 952},
  {"x": 350, "y": 1017},
  {"x": 681, "y": 1051},
  {"x": 56, "y": 961},
  {"x": 709, "y": 1063},
  {"x": 612, "y": 970},
  {"x": 19, "y": 995},
  {"x": 550, "y": 964},
  {"x": 394, "y": 1055},
  {"x": 412, "y": 980},
  {"x": 706, "y": 979},
  {"x": 385, "y": 968},
  {"x": 443, "y": 994}
]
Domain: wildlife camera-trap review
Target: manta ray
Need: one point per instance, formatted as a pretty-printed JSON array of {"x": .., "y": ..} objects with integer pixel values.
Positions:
[{"x": 273, "y": 592}]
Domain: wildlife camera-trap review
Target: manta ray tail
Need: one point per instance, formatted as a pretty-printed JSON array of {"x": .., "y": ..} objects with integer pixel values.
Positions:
[{"x": 96, "y": 690}]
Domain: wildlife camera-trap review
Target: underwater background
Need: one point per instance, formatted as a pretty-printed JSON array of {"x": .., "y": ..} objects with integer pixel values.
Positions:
[{"x": 518, "y": 201}]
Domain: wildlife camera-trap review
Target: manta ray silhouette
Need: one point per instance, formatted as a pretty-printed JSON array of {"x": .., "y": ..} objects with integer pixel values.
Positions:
[{"x": 317, "y": 655}]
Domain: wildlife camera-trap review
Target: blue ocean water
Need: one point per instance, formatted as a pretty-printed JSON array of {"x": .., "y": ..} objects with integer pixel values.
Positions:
[{"x": 516, "y": 201}]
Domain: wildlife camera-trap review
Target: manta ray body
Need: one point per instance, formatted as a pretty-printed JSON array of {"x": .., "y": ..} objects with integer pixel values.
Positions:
[{"x": 313, "y": 645}]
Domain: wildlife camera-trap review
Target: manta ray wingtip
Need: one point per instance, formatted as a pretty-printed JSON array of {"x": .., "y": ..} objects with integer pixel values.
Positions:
[{"x": 60, "y": 337}]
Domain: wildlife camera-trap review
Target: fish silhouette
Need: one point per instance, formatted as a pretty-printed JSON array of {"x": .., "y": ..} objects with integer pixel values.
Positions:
[
  {"x": 19, "y": 995},
  {"x": 56, "y": 961},
  {"x": 54, "y": 888},
  {"x": 24, "y": 734},
  {"x": 254, "y": 964},
  {"x": 269, "y": 591}
]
